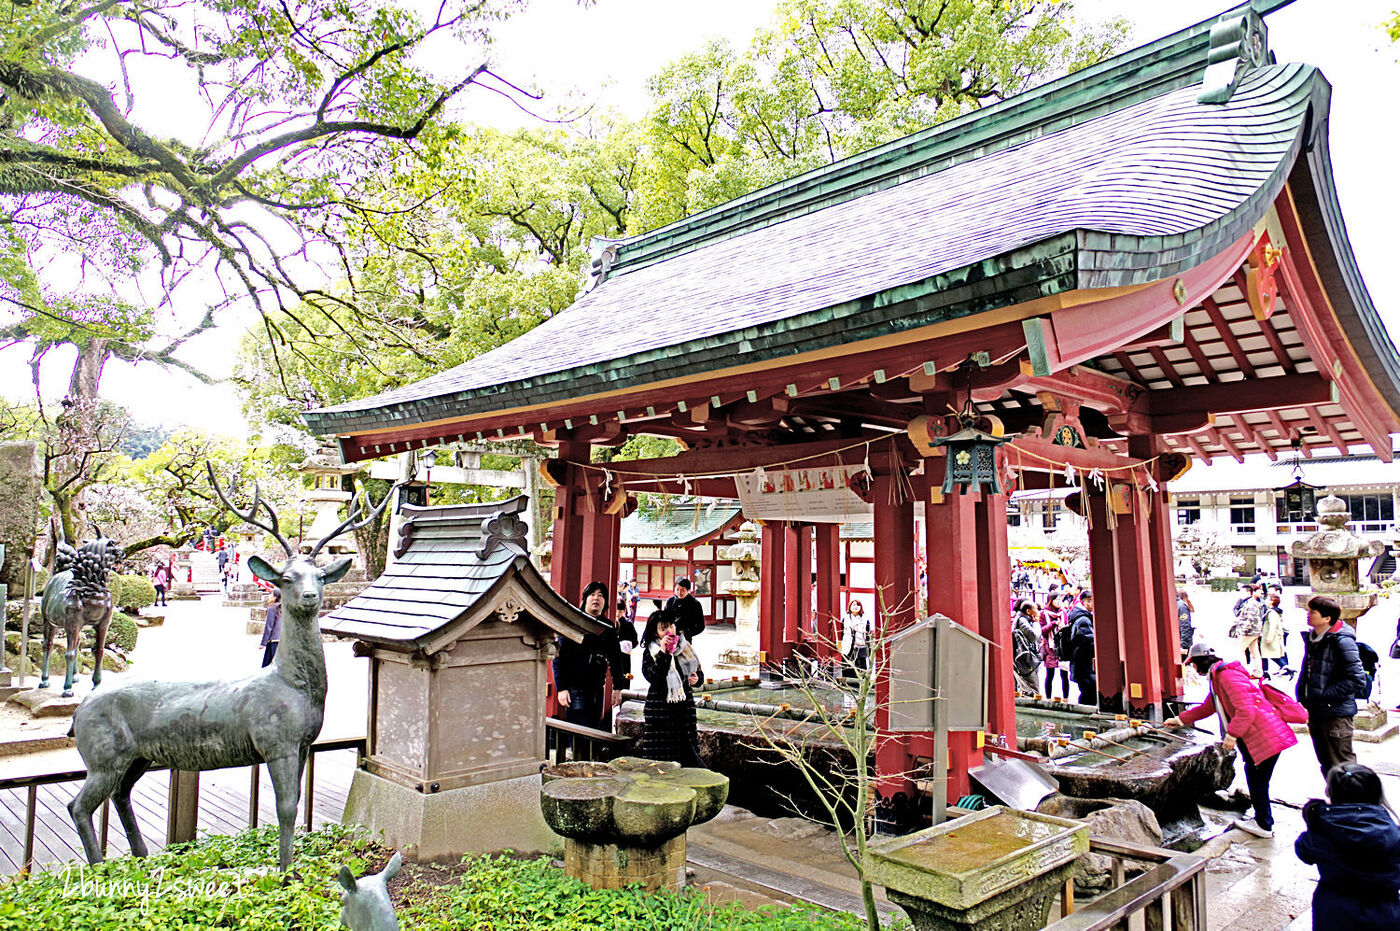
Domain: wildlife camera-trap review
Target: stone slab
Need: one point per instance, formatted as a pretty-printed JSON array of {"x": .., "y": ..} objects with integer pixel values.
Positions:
[
  {"x": 442, "y": 826},
  {"x": 48, "y": 703}
]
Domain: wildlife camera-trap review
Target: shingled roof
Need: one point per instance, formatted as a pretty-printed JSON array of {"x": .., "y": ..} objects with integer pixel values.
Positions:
[
  {"x": 455, "y": 567},
  {"x": 1113, "y": 176}
]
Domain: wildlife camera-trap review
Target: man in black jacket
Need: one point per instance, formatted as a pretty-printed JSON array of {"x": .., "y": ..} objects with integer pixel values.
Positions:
[
  {"x": 1081, "y": 638},
  {"x": 581, "y": 669},
  {"x": 690, "y": 617},
  {"x": 1329, "y": 681}
]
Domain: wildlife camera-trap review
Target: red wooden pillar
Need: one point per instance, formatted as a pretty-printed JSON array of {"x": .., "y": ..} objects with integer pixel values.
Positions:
[
  {"x": 586, "y": 542},
  {"x": 894, "y": 605},
  {"x": 994, "y": 613},
  {"x": 1103, "y": 572},
  {"x": 566, "y": 560},
  {"x": 771, "y": 583},
  {"x": 797, "y": 589},
  {"x": 950, "y": 529},
  {"x": 1163, "y": 566},
  {"x": 1138, "y": 616},
  {"x": 827, "y": 622}
]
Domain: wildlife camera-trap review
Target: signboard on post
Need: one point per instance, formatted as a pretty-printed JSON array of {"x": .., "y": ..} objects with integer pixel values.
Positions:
[{"x": 938, "y": 682}]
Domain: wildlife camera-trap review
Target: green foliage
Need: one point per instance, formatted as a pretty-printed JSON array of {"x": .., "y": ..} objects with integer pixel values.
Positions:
[
  {"x": 1226, "y": 584},
  {"x": 121, "y": 633},
  {"x": 224, "y": 882},
  {"x": 217, "y": 882},
  {"x": 1393, "y": 27},
  {"x": 131, "y": 593},
  {"x": 522, "y": 895},
  {"x": 142, "y": 440},
  {"x": 836, "y": 77}
]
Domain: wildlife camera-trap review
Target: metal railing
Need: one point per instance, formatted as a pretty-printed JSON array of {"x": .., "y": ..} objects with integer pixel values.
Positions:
[
  {"x": 1170, "y": 895},
  {"x": 182, "y": 815},
  {"x": 587, "y": 743}
]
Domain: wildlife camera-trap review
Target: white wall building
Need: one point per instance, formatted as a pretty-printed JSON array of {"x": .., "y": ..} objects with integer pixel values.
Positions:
[{"x": 1247, "y": 501}]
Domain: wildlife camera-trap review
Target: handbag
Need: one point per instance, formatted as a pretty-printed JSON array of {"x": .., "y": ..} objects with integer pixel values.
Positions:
[
  {"x": 1286, "y": 706},
  {"x": 1395, "y": 649}
]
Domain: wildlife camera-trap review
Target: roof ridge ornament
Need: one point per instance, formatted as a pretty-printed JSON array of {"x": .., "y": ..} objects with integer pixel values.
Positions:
[
  {"x": 1239, "y": 42},
  {"x": 602, "y": 253},
  {"x": 504, "y": 528}
]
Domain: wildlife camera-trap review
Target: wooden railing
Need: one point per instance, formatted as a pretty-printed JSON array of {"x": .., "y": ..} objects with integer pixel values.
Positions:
[
  {"x": 182, "y": 814},
  {"x": 1171, "y": 895},
  {"x": 588, "y": 743}
]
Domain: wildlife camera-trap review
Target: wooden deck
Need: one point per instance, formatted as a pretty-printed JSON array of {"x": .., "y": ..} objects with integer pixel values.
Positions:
[{"x": 223, "y": 809}]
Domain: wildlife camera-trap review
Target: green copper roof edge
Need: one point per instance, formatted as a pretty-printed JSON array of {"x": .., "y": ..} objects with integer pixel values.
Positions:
[
  {"x": 584, "y": 379},
  {"x": 1172, "y": 62}
]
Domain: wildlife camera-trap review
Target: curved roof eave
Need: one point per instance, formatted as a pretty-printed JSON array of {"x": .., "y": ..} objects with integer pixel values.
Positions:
[{"x": 1154, "y": 165}]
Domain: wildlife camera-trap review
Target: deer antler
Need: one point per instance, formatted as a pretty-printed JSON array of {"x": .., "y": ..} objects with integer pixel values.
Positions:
[
  {"x": 350, "y": 523},
  {"x": 250, "y": 516}
]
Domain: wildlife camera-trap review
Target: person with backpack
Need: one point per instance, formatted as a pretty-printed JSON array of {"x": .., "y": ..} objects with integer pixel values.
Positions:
[
  {"x": 1054, "y": 647},
  {"x": 1081, "y": 652},
  {"x": 1186, "y": 630},
  {"x": 1248, "y": 627},
  {"x": 1025, "y": 646},
  {"x": 1355, "y": 843},
  {"x": 1271, "y": 638},
  {"x": 1329, "y": 682},
  {"x": 1250, "y": 720}
]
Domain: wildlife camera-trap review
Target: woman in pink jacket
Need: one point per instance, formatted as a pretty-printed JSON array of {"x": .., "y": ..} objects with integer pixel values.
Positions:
[{"x": 1249, "y": 719}]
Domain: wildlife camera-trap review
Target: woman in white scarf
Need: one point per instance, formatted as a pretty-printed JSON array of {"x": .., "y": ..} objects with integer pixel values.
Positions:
[{"x": 671, "y": 667}]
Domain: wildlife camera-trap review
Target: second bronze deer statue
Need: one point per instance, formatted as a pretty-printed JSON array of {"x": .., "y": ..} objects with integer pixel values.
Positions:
[{"x": 272, "y": 716}]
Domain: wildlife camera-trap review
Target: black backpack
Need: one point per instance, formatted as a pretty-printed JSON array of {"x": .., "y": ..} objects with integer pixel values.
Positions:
[
  {"x": 1026, "y": 657},
  {"x": 1370, "y": 660},
  {"x": 1064, "y": 642}
]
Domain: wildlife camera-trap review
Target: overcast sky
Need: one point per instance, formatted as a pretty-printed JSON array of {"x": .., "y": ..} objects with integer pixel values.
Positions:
[{"x": 607, "y": 51}]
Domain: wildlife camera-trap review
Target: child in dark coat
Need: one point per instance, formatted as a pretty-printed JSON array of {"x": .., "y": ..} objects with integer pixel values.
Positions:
[
  {"x": 671, "y": 667},
  {"x": 1356, "y": 845}
]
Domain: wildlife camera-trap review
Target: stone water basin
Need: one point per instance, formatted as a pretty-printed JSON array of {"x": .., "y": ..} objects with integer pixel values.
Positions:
[
  {"x": 624, "y": 822},
  {"x": 998, "y": 868}
]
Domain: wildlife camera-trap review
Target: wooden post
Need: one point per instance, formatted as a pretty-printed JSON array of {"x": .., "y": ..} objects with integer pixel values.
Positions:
[
  {"x": 950, "y": 529},
  {"x": 994, "y": 613},
  {"x": 182, "y": 810},
  {"x": 771, "y": 588},
  {"x": 26, "y": 865},
  {"x": 310, "y": 793},
  {"x": 827, "y": 623},
  {"x": 1138, "y": 617},
  {"x": 797, "y": 587},
  {"x": 894, "y": 604},
  {"x": 253, "y": 791},
  {"x": 1103, "y": 571}
]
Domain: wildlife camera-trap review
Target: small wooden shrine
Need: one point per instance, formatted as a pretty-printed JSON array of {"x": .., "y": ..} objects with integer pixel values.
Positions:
[{"x": 459, "y": 631}]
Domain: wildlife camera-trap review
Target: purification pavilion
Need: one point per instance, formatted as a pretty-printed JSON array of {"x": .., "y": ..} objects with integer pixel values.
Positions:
[{"x": 1132, "y": 267}]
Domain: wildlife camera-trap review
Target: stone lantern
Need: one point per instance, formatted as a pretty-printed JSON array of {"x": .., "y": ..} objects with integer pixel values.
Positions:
[
  {"x": 326, "y": 470},
  {"x": 1333, "y": 555},
  {"x": 744, "y": 586}
]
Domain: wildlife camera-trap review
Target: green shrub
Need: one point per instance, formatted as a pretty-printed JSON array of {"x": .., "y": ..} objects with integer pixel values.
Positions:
[
  {"x": 231, "y": 882},
  {"x": 121, "y": 633},
  {"x": 1227, "y": 584},
  {"x": 131, "y": 593}
]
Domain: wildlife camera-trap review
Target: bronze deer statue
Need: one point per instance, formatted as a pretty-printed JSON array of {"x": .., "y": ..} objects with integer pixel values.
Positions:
[
  {"x": 76, "y": 596},
  {"x": 272, "y": 716}
]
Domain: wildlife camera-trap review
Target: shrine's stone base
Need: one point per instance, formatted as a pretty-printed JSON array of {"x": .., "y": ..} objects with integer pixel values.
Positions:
[
  {"x": 1024, "y": 907},
  {"x": 608, "y": 866},
  {"x": 502, "y": 815}
]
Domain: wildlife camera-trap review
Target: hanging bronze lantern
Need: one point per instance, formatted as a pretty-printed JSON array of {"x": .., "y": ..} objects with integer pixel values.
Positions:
[{"x": 972, "y": 456}]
